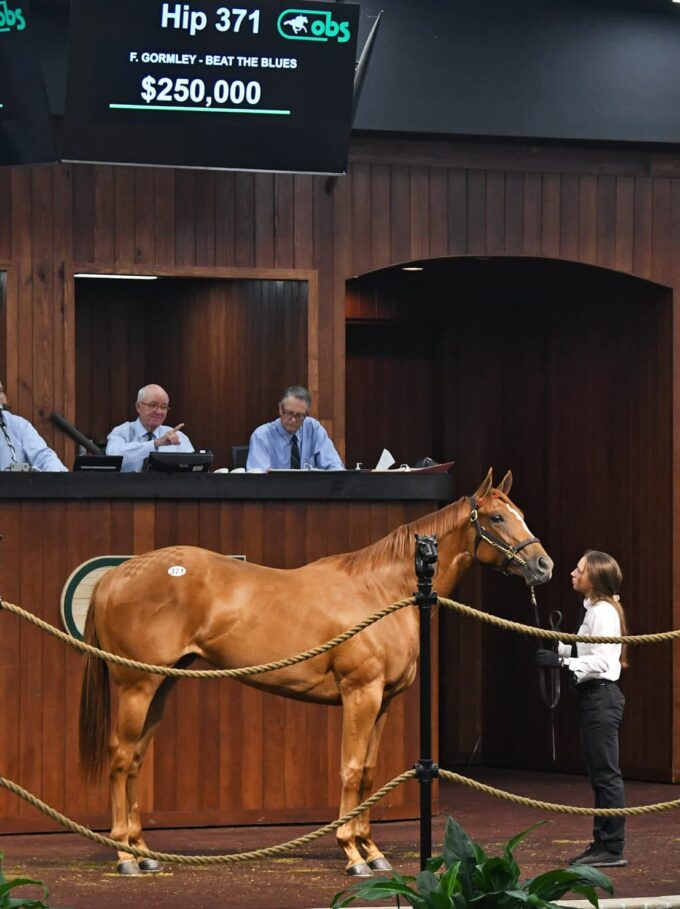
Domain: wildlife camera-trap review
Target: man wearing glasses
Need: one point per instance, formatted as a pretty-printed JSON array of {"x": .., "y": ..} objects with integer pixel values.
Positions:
[
  {"x": 294, "y": 441},
  {"x": 21, "y": 446},
  {"x": 137, "y": 439}
]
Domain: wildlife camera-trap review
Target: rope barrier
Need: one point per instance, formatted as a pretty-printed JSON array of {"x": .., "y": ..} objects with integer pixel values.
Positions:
[
  {"x": 532, "y": 631},
  {"x": 204, "y": 673},
  {"x": 281, "y": 848},
  {"x": 231, "y": 858},
  {"x": 554, "y": 807}
]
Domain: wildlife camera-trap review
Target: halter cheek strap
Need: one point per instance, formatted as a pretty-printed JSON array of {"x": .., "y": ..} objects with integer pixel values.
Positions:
[{"x": 510, "y": 553}]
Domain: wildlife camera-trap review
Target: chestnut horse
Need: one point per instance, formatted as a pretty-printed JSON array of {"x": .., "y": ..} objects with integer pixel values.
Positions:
[{"x": 150, "y": 610}]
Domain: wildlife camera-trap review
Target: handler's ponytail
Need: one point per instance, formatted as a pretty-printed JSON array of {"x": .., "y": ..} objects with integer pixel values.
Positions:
[{"x": 605, "y": 577}]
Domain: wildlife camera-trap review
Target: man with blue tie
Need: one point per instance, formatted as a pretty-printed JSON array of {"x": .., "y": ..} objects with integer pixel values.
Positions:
[
  {"x": 138, "y": 438},
  {"x": 21, "y": 445},
  {"x": 295, "y": 440}
]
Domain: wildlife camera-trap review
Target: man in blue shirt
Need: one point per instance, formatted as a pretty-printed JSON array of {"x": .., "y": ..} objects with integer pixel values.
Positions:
[
  {"x": 21, "y": 444},
  {"x": 137, "y": 439},
  {"x": 295, "y": 440}
]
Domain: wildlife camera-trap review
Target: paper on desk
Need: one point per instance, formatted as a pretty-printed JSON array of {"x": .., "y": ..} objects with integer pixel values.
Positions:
[{"x": 385, "y": 461}]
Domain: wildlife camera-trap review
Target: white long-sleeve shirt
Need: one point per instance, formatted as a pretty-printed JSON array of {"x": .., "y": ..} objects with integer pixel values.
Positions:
[{"x": 596, "y": 661}]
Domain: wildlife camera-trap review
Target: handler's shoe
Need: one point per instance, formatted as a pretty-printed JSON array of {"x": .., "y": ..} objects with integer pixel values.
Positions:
[{"x": 597, "y": 856}]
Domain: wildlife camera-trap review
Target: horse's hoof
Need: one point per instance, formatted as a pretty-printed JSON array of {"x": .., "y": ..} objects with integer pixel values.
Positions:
[
  {"x": 361, "y": 869},
  {"x": 379, "y": 864},
  {"x": 128, "y": 867},
  {"x": 148, "y": 865}
]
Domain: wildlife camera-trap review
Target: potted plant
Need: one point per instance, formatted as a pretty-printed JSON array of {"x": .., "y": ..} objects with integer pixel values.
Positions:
[
  {"x": 474, "y": 880},
  {"x": 19, "y": 902}
]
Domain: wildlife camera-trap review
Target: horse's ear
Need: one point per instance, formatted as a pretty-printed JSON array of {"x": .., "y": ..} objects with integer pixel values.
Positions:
[
  {"x": 485, "y": 485},
  {"x": 506, "y": 483}
]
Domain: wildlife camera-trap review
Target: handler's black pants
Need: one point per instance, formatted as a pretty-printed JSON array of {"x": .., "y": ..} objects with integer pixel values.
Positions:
[{"x": 600, "y": 706}]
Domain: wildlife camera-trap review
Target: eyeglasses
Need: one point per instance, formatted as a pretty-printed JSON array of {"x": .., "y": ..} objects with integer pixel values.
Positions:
[
  {"x": 291, "y": 415},
  {"x": 154, "y": 405}
]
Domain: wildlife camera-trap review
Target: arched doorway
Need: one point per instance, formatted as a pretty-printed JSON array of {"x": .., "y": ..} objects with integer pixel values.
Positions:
[{"x": 561, "y": 372}]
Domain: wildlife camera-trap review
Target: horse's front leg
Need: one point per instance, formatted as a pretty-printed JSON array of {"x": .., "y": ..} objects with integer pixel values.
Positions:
[
  {"x": 362, "y": 825},
  {"x": 361, "y": 707}
]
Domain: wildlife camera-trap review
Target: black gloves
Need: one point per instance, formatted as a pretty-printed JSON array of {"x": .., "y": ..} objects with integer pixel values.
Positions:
[{"x": 548, "y": 659}]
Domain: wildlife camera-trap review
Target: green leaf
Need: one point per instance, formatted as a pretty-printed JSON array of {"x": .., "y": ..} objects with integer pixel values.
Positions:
[
  {"x": 458, "y": 847},
  {"x": 553, "y": 884}
]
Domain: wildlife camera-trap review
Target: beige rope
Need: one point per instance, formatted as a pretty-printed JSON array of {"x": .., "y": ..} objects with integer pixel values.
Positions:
[
  {"x": 205, "y": 673},
  {"x": 203, "y": 859},
  {"x": 532, "y": 631},
  {"x": 552, "y": 806}
]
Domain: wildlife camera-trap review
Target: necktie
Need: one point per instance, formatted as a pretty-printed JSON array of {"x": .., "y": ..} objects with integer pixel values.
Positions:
[
  {"x": 149, "y": 436},
  {"x": 294, "y": 453}
]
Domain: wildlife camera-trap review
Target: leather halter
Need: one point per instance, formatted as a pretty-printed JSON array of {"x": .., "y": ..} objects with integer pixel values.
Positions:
[{"x": 510, "y": 553}]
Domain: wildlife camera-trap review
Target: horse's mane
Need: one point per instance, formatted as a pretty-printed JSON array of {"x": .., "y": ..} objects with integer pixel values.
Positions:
[{"x": 401, "y": 542}]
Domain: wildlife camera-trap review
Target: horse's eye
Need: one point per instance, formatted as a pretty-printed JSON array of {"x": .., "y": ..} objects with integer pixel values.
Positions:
[{"x": 496, "y": 518}]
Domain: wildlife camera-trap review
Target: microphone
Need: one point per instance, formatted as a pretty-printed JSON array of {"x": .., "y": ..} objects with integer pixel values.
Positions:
[{"x": 75, "y": 434}]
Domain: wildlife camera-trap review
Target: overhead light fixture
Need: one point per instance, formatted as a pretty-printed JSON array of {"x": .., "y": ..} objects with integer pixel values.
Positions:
[
  {"x": 420, "y": 267},
  {"x": 119, "y": 277}
]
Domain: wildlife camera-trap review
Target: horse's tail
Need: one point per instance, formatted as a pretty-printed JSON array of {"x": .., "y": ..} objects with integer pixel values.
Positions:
[{"x": 95, "y": 706}]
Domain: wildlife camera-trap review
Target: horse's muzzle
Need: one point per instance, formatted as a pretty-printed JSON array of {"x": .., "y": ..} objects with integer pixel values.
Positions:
[{"x": 538, "y": 570}]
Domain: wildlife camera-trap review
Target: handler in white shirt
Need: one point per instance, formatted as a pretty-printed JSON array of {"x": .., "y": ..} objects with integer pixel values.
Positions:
[{"x": 138, "y": 438}]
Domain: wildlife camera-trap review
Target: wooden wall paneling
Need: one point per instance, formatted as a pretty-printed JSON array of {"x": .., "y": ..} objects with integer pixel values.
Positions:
[
  {"x": 11, "y": 664},
  {"x": 550, "y": 222},
  {"x": 569, "y": 210},
  {"x": 123, "y": 217},
  {"x": 533, "y": 214},
  {"x": 303, "y": 221},
  {"x": 642, "y": 214},
  {"x": 381, "y": 217},
  {"x": 283, "y": 219},
  {"x": 85, "y": 208},
  {"x": 514, "y": 214},
  {"x": 400, "y": 196},
  {"x": 204, "y": 187},
  {"x": 457, "y": 213},
  {"x": 185, "y": 218},
  {"x": 587, "y": 228},
  {"x": 419, "y": 215},
  {"x": 143, "y": 219},
  {"x": 625, "y": 223},
  {"x": 437, "y": 227},
  {"x": 103, "y": 224},
  {"x": 264, "y": 220},
  {"x": 29, "y": 654},
  {"x": 662, "y": 251},
  {"x": 164, "y": 208},
  {"x": 495, "y": 214},
  {"x": 476, "y": 214},
  {"x": 362, "y": 212},
  {"x": 22, "y": 253},
  {"x": 244, "y": 218},
  {"x": 606, "y": 221},
  {"x": 6, "y": 206}
]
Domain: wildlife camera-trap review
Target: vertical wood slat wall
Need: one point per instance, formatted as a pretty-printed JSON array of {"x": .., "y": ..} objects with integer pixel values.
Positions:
[
  {"x": 402, "y": 200},
  {"x": 225, "y": 753}
]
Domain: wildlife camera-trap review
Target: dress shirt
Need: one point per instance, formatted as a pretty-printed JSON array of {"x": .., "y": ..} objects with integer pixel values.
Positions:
[
  {"x": 270, "y": 447},
  {"x": 596, "y": 661},
  {"x": 29, "y": 445},
  {"x": 131, "y": 440}
]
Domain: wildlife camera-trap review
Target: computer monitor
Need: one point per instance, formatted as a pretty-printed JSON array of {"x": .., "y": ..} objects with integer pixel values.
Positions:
[{"x": 179, "y": 462}]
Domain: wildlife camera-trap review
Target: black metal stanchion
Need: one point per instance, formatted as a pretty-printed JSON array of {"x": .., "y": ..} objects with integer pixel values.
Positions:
[{"x": 426, "y": 769}]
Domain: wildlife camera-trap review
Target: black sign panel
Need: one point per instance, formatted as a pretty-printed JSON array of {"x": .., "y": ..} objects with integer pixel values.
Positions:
[
  {"x": 25, "y": 134},
  {"x": 250, "y": 86}
]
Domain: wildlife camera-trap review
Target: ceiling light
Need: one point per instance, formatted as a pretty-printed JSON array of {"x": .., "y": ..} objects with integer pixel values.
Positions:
[
  {"x": 420, "y": 267},
  {"x": 120, "y": 277}
]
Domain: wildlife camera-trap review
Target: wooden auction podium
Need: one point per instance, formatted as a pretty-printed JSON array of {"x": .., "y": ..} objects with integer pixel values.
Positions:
[{"x": 225, "y": 753}]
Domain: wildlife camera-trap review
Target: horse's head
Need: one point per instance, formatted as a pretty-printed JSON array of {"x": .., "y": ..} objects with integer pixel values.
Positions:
[{"x": 501, "y": 536}]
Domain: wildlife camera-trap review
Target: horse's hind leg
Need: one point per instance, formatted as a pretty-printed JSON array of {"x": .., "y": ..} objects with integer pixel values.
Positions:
[
  {"x": 361, "y": 708},
  {"x": 362, "y": 825},
  {"x": 125, "y": 750},
  {"x": 153, "y": 718}
]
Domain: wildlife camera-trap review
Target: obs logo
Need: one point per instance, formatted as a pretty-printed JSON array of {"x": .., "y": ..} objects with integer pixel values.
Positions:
[
  {"x": 11, "y": 18},
  {"x": 307, "y": 25}
]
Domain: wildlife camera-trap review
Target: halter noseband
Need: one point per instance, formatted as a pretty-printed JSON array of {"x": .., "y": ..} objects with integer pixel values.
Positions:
[{"x": 510, "y": 553}]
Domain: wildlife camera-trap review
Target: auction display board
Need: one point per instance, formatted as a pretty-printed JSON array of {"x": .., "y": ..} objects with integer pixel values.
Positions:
[
  {"x": 25, "y": 133},
  {"x": 254, "y": 86}
]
